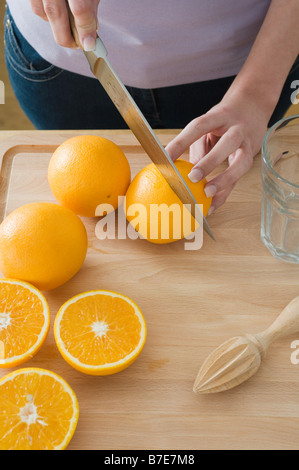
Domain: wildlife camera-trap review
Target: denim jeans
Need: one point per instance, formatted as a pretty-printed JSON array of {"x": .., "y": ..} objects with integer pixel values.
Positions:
[{"x": 53, "y": 98}]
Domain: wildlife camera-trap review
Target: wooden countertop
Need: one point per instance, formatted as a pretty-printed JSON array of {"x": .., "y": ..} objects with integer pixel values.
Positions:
[{"x": 192, "y": 302}]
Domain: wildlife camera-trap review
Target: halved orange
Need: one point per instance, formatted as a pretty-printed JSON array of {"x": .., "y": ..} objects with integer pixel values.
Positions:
[
  {"x": 100, "y": 332},
  {"x": 38, "y": 409},
  {"x": 162, "y": 217},
  {"x": 24, "y": 321}
]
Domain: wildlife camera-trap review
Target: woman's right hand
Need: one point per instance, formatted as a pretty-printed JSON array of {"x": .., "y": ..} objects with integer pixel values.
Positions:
[{"x": 85, "y": 14}]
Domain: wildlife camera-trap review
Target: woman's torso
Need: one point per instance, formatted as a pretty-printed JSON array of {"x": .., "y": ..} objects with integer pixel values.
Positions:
[{"x": 158, "y": 43}]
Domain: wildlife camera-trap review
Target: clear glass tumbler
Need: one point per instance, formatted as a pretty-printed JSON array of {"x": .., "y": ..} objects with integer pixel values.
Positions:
[{"x": 280, "y": 187}]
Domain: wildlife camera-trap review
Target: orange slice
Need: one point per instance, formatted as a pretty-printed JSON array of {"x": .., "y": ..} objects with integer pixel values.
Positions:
[
  {"x": 100, "y": 332},
  {"x": 24, "y": 322},
  {"x": 38, "y": 409}
]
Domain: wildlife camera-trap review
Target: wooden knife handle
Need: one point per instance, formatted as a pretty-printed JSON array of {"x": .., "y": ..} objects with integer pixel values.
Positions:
[{"x": 73, "y": 26}]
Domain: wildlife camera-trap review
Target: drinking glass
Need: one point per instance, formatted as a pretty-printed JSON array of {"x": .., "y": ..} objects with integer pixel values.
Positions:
[{"x": 280, "y": 190}]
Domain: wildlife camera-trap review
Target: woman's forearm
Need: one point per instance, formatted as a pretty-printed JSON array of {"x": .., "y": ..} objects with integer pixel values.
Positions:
[{"x": 272, "y": 56}]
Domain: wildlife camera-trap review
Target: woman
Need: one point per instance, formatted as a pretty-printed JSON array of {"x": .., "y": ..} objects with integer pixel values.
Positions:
[{"x": 222, "y": 71}]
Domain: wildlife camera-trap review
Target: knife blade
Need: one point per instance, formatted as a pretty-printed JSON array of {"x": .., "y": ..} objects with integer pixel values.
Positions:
[{"x": 132, "y": 115}]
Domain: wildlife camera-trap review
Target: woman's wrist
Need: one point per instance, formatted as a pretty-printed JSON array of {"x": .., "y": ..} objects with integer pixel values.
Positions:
[{"x": 262, "y": 95}]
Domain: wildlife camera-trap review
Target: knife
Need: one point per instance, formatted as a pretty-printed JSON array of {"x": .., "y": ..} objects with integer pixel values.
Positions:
[{"x": 134, "y": 118}]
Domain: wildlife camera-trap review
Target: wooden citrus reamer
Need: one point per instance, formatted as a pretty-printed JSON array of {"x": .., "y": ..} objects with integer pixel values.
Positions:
[{"x": 239, "y": 358}]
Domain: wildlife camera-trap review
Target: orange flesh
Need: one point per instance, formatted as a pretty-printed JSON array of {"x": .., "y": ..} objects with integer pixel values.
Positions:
[
  {"x": 99, "y": 330},
  {"x": 21, "y": 319},
  {"x": 37, "y": 413}
]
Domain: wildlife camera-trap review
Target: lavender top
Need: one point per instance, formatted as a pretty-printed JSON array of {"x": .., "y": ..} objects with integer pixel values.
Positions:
[{"x": 158, "y": 43}]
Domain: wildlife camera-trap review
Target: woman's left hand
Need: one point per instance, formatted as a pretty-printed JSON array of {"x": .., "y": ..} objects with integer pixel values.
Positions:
[{"x": 233, "y": 130}]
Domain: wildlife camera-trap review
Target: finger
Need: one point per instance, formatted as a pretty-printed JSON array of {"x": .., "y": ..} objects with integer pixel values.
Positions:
[
  {"x": 231, "y": 158},
  {"x": 198, "y": 150},
  {"x": 201, "y": 147},
  {"x": 220, "y": 199},
  {"x": 240, "y": 163},
  {"x": 37, "y": 7},
  {"x": 227, "y": 145},
  {"x": 59, "y": 20},
  {"x": 194, "y": 131},
  {"x": 85, "y": 14}
]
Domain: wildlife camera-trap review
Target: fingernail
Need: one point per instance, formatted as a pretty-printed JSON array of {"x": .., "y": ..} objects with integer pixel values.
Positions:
[
  {"x": 211, "y": 210},
  {"x": 89, "y": 43},
  {"x": 195, "y": 175},
  {"x": 210, "y": 190}
]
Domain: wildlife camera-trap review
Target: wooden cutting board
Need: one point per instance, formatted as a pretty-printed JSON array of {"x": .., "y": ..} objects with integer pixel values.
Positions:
[{"x": 192, "y": 302}]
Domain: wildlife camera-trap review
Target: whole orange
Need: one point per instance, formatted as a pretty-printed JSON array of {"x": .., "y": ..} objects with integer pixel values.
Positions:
[
  {"x": 86, "y": 171},
  {"x": 42, "y": 243},
  {"x": 161, "y": 216}
]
